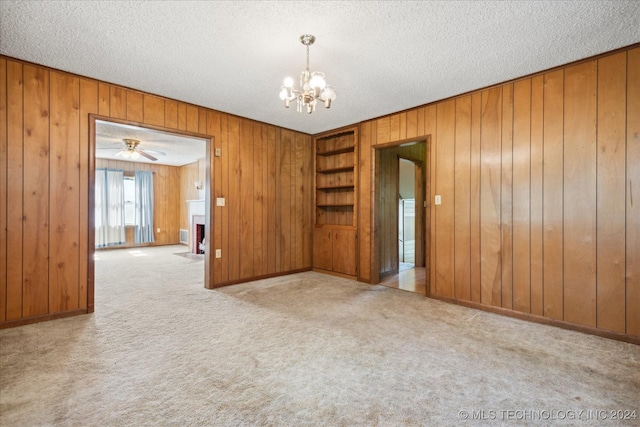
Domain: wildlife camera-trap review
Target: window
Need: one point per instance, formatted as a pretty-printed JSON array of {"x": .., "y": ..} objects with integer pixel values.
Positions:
[{"x": 130, "y": 200}]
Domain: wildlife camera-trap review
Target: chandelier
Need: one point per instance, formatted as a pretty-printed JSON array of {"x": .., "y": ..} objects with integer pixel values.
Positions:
[{"x": 313, "y": 87}]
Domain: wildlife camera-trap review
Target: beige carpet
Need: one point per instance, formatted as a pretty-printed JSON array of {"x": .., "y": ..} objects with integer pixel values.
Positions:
[{"x": 300, "y": 350}]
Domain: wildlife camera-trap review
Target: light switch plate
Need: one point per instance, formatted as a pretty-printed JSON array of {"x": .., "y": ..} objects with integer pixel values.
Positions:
[
  {"x": 438, "y": 199},
  {"x": 218, "y": 253},
  {"x": 219, "y": 201},
  {"x": 218, "y": 152}
]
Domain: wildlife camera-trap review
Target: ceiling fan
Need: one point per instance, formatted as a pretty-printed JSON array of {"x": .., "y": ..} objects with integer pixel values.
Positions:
[{"x": 131, "y": 150}]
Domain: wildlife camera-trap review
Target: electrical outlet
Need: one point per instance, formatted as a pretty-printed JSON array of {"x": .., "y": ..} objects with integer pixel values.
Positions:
[
  {"x": 157, "y": 230},
  {"x": 220, "y": 201},
  {"x": 218, "y": 253}
]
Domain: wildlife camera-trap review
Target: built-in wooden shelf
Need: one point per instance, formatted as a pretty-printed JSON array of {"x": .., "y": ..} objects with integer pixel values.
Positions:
[
  {"x": 335, "y": 205},
  {"x": 338, "y": 169},
  {"x": 336, "y": 151},
  {"x": 336, "y": 187}
]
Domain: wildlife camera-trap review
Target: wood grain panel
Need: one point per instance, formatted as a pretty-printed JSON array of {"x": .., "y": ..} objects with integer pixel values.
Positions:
[
  {"x": 536, "y": 269},
  {"x": 233, "y": 255},
  {"x": 117, "y": 102},
  {"x": 225, "y": 188},
  {"x": 182, "y": 116},
  {"x": 365, "y": 203},
  {"x": 65, "y": 193},
  {"x": 202, "y": 120},
  {"x": 246, "y": 198},
  {"x": 104, "y": 99},
  {"x": 383, "y": 130},
  {"x": 171, "y": 114},
  {"x": 15, "y": 164},
  {"x": 344, "y": 251},
  {"x": 444, "y": 186},
  {"x": 474, "y": 182},
  {"x": 580, "y": 165},
  {"x": 522, "y": 196},
  {"x": 632, "y": 187},
  {"x": 192, "y": 118},
  {"x": 490, "y": 202},
  {"x": 3, "y": 189},
  {"x": 135, "y": 106},
  {"x": 35, "y": 250},
  {"x": 89, "y": 104},
  {"x": 323, "y": 248},
  {"x": 174, "y": 213},
  {"x": 264, "y": 155},
  {"x": 272, "y": 221},
  {"x": 611, "y": 145},
  {"x": 553, "y": 199},
  {"x": 395, "y": 127},
  {"x": 388, "y": 211},
  {"x": 307, "y": 194},
  {"x": 285, "y": 202},
  {"x": 462, "y": 203},
  {"x": 506, "y": 197},
  {"x": 430, "y": 122},
  {"x": 153, "y": 110},
  {"x": 300, "y": 211},
  {"x": 412, "y": 124},
  {"x": 259, "y": 256},
  {"x": 213, "y": 128}
]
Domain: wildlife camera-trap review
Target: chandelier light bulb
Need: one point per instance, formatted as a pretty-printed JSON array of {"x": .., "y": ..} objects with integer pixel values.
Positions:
[
  {"x": 313, "y": 86},
  {"x": 317, "y": 80}
]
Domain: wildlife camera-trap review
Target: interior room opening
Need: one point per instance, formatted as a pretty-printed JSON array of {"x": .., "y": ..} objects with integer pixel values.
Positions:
[{"x": 150, "y": 196}]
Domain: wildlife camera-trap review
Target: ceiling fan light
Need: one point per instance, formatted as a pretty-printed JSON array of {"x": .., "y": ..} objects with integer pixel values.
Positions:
[
  {"x": 135, "y": 155},
  {"x": 126, "y": 154}
]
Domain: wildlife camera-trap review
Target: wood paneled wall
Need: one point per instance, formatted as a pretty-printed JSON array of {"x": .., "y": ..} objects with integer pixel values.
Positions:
[
  {"x": 539, "y": 181},
  {"x": 266, "y": 228},
  {"x": 189, "y": 174},
  {"x": 166, "y": 207},
  {"x": 263, "y": 173}
]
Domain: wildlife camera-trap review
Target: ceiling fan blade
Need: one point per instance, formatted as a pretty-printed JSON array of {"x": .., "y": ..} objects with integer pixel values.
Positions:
[
  {"x": 148, "y": 156},
  {"x": 119, "y": 153}
]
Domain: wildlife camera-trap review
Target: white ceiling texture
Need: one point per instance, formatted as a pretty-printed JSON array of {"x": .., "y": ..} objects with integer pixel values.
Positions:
[{"x": 381, "y": 56}]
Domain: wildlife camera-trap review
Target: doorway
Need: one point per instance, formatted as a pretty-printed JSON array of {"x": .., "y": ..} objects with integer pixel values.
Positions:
[
  {"x": 400, "y": 216},
  {"x": 178, "y": 166}
]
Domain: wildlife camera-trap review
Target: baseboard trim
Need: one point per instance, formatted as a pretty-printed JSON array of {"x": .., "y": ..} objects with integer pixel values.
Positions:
[
  {"x": 264, "y": 276},
  {"x": 334, "y": 273},
  {"x": 631, "y": 339},
  {"x": 42, "y": 318}
]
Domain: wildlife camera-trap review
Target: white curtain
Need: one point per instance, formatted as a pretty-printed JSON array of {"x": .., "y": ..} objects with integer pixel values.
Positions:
[
  {"x": 144, "y": 207},
  {"x": 109, "y": 207}
]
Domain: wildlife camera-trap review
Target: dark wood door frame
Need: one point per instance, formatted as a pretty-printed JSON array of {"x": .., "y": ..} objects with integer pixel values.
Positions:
[
  {"x": 209, "y": 213},
  {"x": 375, "y": 241}
]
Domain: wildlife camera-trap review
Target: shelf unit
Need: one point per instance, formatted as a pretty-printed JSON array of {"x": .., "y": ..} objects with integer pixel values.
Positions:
[
  {"x": 335, "y": 202},
  {"x": 335, "y": 163}
]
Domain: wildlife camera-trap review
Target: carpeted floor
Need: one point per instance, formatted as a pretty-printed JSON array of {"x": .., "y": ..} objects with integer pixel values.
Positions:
[{"x": 300, "y": 350}]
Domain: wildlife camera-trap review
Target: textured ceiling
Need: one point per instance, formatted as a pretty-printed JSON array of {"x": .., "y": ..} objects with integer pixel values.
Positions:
[
  {"x": 382, "y": 57},
  {"x": 167, "y": 148}
]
